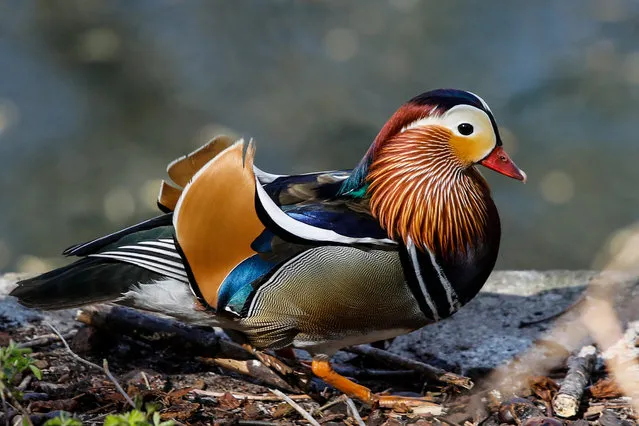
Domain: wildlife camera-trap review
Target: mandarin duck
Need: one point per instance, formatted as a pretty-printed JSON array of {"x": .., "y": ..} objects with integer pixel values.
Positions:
[{"x": 317, "y": 261}]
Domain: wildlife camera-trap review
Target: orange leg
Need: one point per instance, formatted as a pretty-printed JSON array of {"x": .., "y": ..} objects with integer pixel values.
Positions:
[{"x": 321, "y": 367}]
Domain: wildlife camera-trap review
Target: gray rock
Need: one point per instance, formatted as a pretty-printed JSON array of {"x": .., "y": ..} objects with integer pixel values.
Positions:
[
  {"x": 486, "y": 332},
  {"x": 13, "y": 315}
]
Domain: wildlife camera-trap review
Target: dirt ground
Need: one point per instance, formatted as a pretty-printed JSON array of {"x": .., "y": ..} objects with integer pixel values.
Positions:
[{"x": 189, "y": 390}]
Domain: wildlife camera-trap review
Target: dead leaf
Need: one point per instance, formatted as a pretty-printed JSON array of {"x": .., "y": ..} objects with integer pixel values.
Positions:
[
  {"x": 605, "y": 388},
  {"x": 182, "y": 411},
  {"x": 544, "y": 387},
  {"x": 252, "y": 411},
  {"x": 401, "y": 407},
  {"x": 228, "y": 402},
  {"x": 176, "y": 395},
  {"x": 282, "y": 410}
]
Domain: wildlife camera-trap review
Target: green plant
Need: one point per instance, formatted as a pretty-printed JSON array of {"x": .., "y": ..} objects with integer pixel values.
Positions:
[
  {"x": 63, "y": 420},
  {"x": 137, "y": 417},
  {"x": 14, "y": 361}
]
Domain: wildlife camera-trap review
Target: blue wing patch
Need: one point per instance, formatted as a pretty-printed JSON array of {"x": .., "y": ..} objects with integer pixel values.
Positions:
[
  {"x": 237, "y": 286},
  {"x": 311, "y": 200}
]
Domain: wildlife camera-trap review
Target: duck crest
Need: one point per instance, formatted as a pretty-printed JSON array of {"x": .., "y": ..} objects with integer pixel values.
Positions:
[{"x": 419, "y": 193}]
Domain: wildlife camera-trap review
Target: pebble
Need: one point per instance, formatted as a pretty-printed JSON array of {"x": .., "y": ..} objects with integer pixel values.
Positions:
[
  {"x": 518, "y": 410},
  {"x": 41, "y": 363}
]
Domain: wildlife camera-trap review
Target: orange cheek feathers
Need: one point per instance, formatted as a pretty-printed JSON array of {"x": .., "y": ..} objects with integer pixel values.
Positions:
[{"x": 469, "y": 150}]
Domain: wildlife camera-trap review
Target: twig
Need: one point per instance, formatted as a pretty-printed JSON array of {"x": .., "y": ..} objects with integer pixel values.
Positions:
[
  {"x": 146, "y": 380},
  {"x": 566, "y": 402},
  {"x": 46, "y": 339},
  {"x": 269, "y": 360},
  {"x": 329, "y": 404},
  {"x": 297, "y": 407},
  {"x": 428, "y": 409},
  {"x": 248, "y": 396},
  {"x": 24, "y": 383},
  {"x": 105, "y": 366},
  {"x": 427, "y": 371},
  {"x": 104, "y": 369},
  {"x": 351, "y": 405},
  {"x": 252, "y": 368},
  {"x": 374, "y": 374},
  {"x": 25, "y": 414}
]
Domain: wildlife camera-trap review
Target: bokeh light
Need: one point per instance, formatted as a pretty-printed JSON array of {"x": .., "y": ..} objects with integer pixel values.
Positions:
[
  {"x": 8, "y": 114},
  {"x": 33, "y": 264},
  {"x": 99, "y": 45},
  {"x": 557, "y": 187},
  {"x": 148, "y": 194},
  {"x": 119, "y": 205},
  {"x": 341, "y": 44}
]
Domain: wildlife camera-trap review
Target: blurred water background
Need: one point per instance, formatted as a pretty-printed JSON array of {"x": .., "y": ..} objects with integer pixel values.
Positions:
[{"x": 96, "y": 97}]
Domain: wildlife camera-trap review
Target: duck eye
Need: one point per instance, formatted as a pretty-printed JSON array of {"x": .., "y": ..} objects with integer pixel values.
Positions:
[{"x": 465, "y": 129}]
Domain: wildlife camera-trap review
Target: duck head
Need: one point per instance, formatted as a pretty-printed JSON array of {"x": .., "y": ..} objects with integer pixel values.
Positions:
[{"x": 420, "y": 172}]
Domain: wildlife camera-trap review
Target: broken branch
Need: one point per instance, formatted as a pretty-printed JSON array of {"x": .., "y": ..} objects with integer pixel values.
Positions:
[
  {"x": 252, "y": 368},
  {"x": 427, "y": 371},
  {"x": 248, "y": 396},
  {"x": 566, "y": 402},
  {"x": 151, "y": 329}
]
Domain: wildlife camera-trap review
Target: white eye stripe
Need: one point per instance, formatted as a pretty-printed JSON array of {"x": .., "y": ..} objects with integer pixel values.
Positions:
[
  {"x": 483, "y": 102},
  {"x": 457, "y": 115}
]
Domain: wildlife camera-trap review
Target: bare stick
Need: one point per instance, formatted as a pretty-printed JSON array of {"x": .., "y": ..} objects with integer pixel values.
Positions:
[
  {"x": 351, "y": 405},
  {"x": 566, "y": 402},
  {"x": 427, "y": 371},
  {"x": 146, "y": 380},
  {"x": 104, "y": 369},
  {"x": 297, "y": 407},
  {"x": 249, "y": 397},
  {"x": 46, "y": 339},
  {"x": 269, "y": 360},
  {"x": 329, "y": 404},
  {"x": 252, "y": 368}
]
